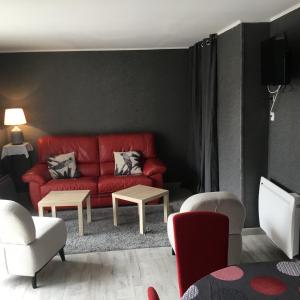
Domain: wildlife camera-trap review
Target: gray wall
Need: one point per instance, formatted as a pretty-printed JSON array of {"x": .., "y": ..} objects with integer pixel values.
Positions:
[
  {"x": 284, "y": 140},
  {"x": 255, "y": 119},
  {"x": 230, "y": 109},
  {"x": 102, "y": 92},
  {"x": 3, "y": 135},
  {"x": 242, "y": 115},
  {"x": 250, "y": 146}
]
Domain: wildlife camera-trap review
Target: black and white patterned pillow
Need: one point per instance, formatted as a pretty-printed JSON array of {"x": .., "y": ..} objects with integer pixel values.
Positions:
[
  {"x": 128, "y": 163},
  {"x": 63, "y": 166}
]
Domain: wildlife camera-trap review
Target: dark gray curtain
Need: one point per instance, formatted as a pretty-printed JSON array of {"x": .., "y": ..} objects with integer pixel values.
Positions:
[{"x": 203, "y": 154}]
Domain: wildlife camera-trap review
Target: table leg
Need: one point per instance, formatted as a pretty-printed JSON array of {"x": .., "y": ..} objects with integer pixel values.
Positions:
[
  {"x": 53, "y": 210},
  {"x": 142, "y": 217},
  {"x": 115, "y": 210},
  {"x": 88, "y": 209},
  {"x": 80, "y": 219},
  {"x": 166, "y": 207},
  {"x": 41, "y": 211}
]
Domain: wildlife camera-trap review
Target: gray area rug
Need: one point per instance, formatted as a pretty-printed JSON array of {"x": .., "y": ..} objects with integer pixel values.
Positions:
[{"x": 102, "y": 235}]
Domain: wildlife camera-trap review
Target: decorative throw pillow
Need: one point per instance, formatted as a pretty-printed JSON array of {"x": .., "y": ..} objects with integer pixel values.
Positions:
[
  {"x": 63, "y": 166},
  {"x": 128, "y": 163}
]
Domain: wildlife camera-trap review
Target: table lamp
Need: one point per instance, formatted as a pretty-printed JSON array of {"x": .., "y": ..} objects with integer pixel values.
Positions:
[{"x": 15, "y": 116}]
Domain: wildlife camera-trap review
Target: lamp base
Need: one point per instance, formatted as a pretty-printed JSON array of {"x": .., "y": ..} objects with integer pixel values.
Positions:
[{"x": 17, "y": 137}]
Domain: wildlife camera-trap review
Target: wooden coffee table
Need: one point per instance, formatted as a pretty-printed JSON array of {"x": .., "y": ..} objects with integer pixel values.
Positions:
[
  {"x": 140, "y": 194},
  {"x": 68, "y": 198}
]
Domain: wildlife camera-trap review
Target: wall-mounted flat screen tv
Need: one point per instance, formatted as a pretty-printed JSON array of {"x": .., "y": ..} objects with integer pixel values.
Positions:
[{"x": 275, "y": 60}]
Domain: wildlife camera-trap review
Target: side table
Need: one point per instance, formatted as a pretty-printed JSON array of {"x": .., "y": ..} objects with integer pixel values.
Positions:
[
  {"x": 16, "y": 161},
  {"x": 7, "y": 188},
  {"x": 140, "y": 194},
  {"x": 68, "y": 199}
]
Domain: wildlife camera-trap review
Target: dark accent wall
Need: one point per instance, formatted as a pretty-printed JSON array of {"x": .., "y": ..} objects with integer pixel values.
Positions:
[
  {"x": 103, "y": 92},
  {"x": 243, "y": 115},
  {"x": 250, "y": 145},
  {"x": 3, "y": 141},
  {"x": 284, "y": 139},
  {"x": 229, "y": 110},
  {"x": 255, "y": 111},
  {"x": 3, "y": 135}
]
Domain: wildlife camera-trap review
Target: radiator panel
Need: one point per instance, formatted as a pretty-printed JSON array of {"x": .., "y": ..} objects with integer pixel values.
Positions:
[{"x": 279, "y": 215}]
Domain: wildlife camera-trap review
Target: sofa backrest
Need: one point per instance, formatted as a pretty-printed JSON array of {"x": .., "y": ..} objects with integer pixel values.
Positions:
[
  {"x": 222, "y": 202},
  {"x": 110, "y": 143},
  {"x": 85, "y": 149}
]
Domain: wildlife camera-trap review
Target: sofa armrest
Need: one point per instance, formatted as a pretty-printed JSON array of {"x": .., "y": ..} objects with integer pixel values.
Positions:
[
  {"x": 153, "y": 166},
  {"x": 38, "y": 174}
]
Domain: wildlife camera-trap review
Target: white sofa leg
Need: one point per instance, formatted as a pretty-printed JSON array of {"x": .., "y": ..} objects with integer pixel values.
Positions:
[
  {"x": 33, "y": 281},
  {"x": 62, "y": 254},
  {"x": 34, "y": 278}
]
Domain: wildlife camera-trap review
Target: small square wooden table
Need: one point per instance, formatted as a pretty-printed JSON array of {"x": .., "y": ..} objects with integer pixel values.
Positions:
[
  {"x": 68, "y": 198},
  {"x": 140, "y": 194}
]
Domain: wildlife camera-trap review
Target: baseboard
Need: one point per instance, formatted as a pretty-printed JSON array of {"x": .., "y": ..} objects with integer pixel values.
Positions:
[{"x": 252, "y": 231}]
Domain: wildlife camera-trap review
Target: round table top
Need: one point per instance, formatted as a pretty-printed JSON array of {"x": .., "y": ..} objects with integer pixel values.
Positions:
[{"x": 256, "y": 281}]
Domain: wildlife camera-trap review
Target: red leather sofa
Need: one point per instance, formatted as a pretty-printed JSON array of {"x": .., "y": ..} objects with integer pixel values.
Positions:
[{"x": 95, "y": 161}]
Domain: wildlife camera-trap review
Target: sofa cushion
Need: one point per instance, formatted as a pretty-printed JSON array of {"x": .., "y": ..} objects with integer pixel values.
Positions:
[
  {"x": 82, "y": 183},
  {"x": 63, "y": 166},
  {"x": 107, "y": 168},
  {"x": 88, "y": 169},
  {"x": 110, "y": 143},
  {"x": 111, "y": 183},
  {"x": 85, "y": 147},
  {"x": 128, "y": 163}
]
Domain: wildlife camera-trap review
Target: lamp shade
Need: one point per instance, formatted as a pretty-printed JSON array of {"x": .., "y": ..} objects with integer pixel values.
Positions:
[{"x": 14, "y": 116}]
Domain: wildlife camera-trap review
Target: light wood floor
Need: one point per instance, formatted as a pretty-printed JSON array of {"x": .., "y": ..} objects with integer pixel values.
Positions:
[{"x": 118, "y": 275}]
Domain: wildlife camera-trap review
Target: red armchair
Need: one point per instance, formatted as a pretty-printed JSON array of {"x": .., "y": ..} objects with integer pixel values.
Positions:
[
  {"x": 152, "y": 294},
  {"x": 95, "y": 161},
  {"x": 201, "y": 245}
]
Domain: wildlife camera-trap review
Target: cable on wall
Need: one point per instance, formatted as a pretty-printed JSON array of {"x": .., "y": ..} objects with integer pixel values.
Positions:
[{"x": 274, "y": 94}]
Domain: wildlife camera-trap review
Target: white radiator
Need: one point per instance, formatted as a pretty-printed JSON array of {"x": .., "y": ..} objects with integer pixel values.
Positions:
[{"x": 279, "y": 216}]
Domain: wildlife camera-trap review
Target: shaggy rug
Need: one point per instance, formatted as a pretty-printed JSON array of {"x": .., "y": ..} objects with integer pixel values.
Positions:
[{"x": 102, "y": 235}]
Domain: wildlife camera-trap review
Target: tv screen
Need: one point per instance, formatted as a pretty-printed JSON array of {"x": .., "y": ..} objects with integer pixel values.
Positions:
[{"x": 275, "y": 61}]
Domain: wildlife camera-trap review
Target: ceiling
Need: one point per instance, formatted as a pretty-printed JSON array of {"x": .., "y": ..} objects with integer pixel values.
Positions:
[{"x": 49, "y": 25}]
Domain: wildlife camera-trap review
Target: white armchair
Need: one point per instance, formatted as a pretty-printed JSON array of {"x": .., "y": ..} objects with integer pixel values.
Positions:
[
  {"x": 28, "y": 243},
  {"x": 222, "y": 202}
]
